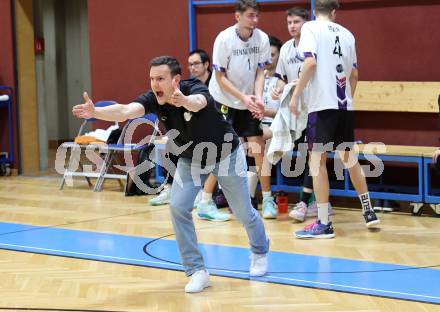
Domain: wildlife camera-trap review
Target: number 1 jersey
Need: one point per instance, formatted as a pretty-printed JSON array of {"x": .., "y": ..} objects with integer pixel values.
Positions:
[{"x": 239, "y": 60}]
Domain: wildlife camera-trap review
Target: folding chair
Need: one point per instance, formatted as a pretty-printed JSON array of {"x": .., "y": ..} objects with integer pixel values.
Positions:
[
  {"x": 127, "y": 148},
  {"x": 76, "y": 150},
  {"x": 103, "y": 165}
]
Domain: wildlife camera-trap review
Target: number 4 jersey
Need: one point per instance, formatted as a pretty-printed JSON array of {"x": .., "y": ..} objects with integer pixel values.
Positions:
[
  {"x": 239, "y": 60},
  {"x": 333, "y": 47}
]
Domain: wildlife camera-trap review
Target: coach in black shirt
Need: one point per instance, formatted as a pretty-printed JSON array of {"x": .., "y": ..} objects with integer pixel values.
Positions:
[
  {"x": 196, "y": 128},
  {"x": 206, "y": 143}
]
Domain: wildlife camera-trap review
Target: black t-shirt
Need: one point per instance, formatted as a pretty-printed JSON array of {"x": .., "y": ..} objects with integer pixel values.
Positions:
[
  {"x": 209, "y": 78},
  {"x": 200, "y": 129}
]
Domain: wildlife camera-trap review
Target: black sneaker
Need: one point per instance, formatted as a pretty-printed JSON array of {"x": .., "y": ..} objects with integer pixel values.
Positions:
[
  {"x": 390, "y": 205},
  {"x": 378, "y": 204},
  {"x": 371, "y": 218}
]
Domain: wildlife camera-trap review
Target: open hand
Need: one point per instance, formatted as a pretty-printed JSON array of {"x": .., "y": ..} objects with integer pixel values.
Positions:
[{"x": 85, "y": 110}]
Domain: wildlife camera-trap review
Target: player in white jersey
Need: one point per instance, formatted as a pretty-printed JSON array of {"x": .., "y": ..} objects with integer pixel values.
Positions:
[
  {"x": 270, "y": 110},
  {"x": 288, "y": 70},
  {"x": 270, "y": 81},
  {"x": 290, "y": 62},
  {"x": 330, "y": 65},
  {"x": 239, "y": 55}
]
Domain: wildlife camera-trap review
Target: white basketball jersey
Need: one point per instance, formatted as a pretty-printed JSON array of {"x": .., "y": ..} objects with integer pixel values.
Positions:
[
  {"x": 269, "y": 83},
  {"x": 239, "y": 60},
  {"x": 290, "y": 62},
  {"x": 333, "y": 46}
]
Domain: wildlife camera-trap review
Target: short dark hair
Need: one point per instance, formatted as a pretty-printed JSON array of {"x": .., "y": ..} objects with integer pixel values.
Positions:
[
  {"x": 326, "y": 6},
  {"x": 275, "y": 42},
  {"x": 243, "y": 5},
  {"x": 204, "y": 57},
  {"x": 298, "y": 11},
  {"x": 171, "y": 61}
]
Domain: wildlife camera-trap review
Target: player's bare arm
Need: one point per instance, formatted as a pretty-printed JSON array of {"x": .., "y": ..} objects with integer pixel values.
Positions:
[
  {"x": 259, "y": 87},
  {"x": 278, "y": 89},
  {"x": 354, "y": 77}
]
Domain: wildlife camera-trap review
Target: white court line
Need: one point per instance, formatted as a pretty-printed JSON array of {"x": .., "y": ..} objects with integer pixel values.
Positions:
[
  {"x": 353, "y": 287},
  {"x": 88, "y": 254},
  {"x": 228, "y": 271}
]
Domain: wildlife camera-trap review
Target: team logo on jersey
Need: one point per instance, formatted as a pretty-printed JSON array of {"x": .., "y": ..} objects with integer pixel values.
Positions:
[
  {"x": 341, "y": 84},
  {"x": 187, "y": 116},
  {"x": 224, "y": 109},
  {"x": 339, "y": 68}
]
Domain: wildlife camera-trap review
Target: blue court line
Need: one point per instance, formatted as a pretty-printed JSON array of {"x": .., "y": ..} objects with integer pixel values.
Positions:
[{"x": 336, "y": 274}]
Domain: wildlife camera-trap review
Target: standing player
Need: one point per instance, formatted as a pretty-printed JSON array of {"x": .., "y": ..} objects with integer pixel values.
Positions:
[
  {"x": 240, "y": 53},
  {"x": 330, "y": 65},
  {"x": 288, "y": 70},
  {"x": 270, "y": 110}
]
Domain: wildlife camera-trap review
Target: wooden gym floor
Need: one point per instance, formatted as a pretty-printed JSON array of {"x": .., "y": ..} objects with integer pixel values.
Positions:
[{"x": 39, "y": 282}]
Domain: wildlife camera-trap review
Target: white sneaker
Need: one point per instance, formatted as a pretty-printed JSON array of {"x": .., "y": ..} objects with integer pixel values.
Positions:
[
  {"x": 209, "y": 211},
  {"x": 299, "y": 212},
  {"x": 258, "y": 264},
  {"x": 163, "y": 198},
  {"x": 270, "y": 208},
  {"x": 199, "y": 281}
]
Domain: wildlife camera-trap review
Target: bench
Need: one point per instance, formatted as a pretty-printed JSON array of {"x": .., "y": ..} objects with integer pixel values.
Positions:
[
  {"x": 397, "y": 96},
  {"x": 420, "y": 156}
]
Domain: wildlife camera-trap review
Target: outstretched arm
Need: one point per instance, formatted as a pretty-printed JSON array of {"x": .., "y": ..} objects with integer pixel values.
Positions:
[{"x": 116, "y": 112}]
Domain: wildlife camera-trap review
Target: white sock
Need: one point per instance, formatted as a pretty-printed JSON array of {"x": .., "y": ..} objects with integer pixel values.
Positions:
[
  {"x": 365, "y": 201},
  {"x": 206, "y": 197},
  {"x": 323, "y": 213},
  {"x": 252, "y": 182},
  {"x": 267, "y": 194}
]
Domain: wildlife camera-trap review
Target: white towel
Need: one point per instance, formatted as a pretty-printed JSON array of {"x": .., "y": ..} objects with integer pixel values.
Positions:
[
  {"x": 286, "y": 127},
  {"x": 102, "y": 134}
]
